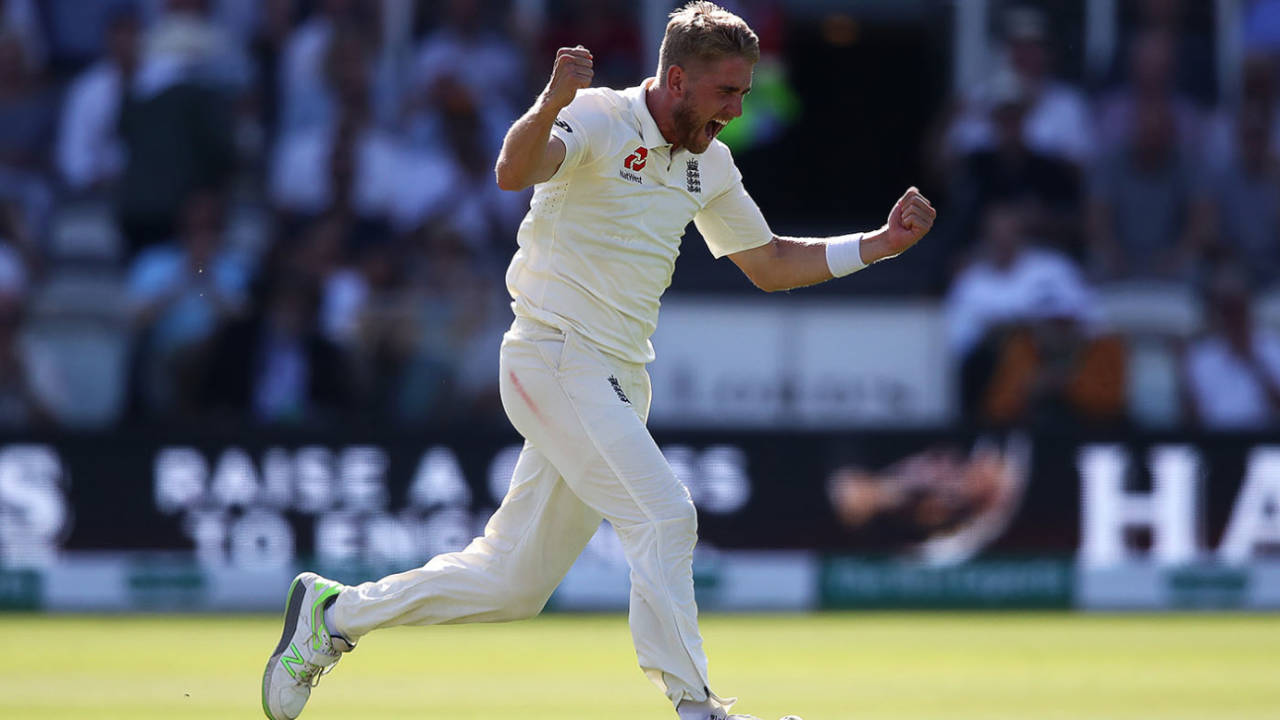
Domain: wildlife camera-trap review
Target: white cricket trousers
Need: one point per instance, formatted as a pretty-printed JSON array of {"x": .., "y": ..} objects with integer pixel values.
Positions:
[{"x": 587, "y": 455}]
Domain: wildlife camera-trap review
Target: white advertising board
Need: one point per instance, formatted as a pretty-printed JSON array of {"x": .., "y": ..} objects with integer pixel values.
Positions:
[{"x": 785, "y": 362}]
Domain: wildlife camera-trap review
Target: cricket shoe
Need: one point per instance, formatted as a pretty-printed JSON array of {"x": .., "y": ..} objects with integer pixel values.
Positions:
[{"x": 307, "y": 649}]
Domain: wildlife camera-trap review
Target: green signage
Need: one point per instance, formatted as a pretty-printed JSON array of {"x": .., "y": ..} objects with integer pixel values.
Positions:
[
  {"x": 20, "y": 590},
  {"x": 849, "y": 582}
]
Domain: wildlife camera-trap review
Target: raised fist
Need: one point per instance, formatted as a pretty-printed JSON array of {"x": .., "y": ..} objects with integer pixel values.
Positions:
[
  {"x": 573, "y": 71},
  {"x": 911, "y": 218}
]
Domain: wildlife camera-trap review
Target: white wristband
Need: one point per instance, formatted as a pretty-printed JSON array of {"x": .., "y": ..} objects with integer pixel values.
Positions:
[{"x": 844, "y": 255}]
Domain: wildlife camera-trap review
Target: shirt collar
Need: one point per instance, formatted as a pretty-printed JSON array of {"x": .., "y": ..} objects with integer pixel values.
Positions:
[{"x": 649, "y": 131}]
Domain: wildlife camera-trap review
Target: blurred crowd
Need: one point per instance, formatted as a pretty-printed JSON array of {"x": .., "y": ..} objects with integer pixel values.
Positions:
[
  {"x": 294, "y": 199},
  {"x": 289, "y": 206},
  {"x": 1109, "y": 239}
]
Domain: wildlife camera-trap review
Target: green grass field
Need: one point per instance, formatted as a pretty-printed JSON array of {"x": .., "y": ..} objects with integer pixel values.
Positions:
[{"x": 821, "y": 667}]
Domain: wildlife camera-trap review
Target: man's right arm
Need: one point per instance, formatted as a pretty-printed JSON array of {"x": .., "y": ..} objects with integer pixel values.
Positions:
[{"x": 530, "y": 154}]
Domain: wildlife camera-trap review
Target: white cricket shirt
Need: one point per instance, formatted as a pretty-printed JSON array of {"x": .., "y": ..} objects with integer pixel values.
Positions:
[{"x": 600, "y": 241}]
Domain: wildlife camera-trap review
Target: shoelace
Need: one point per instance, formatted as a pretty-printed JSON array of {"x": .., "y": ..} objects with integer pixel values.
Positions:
[
  {"x": 310, "y": 676},
  {"x": 311, "y": 673}
]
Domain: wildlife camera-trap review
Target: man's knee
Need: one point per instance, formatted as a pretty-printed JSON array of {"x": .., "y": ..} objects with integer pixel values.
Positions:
[
  {"x": 676, "y": 525},
  {"x": 521, "y": 605},
  {"x": 685, "y": 522}
]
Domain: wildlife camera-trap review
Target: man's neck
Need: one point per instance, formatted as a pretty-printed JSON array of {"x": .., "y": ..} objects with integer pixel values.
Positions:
[{"x": 659, "y": 101}]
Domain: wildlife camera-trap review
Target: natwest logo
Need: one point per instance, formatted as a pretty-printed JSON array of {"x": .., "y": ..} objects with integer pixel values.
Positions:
[{"x": 636, "y": 160}]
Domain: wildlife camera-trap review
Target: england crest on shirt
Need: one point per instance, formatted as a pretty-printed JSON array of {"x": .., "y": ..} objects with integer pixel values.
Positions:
[{"x": 692, "y": 178}]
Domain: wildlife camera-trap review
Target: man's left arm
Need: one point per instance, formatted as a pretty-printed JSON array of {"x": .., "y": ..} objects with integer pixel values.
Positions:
[{"x": 785, "y": 263}]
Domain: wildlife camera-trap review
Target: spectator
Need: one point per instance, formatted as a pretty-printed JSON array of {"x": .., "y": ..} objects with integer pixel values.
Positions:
[
  {"x": 456, "y": 192},
  {"x": 349, "y": 164},
  {"x": 1232, "y": 373},
  {"x": 305, "y": 74},
  {"x": 1008, "y": 281},
  {"x": 1191, "y": 36},
  {"x": 454, "y": 307},
  {"x": 274, "y": 366},
  {"x": 1137, "y": 221},
  {"x": 21, "y": 404},
  {"x": 465, "y": 55},
  {"x": 186, "y": 45},
  {"x": 181, "y": 292},
  {"x": 1056, "y": 120},
  {"x": 347, "y": 288},
  {"x": 379, "y": 309},
  {"x": 1258, "y": 92},
  {"x": 1242, "y": 211},
  {"x": 177, "y": 124},
  {"x": 1152, "y": 81},
  {"x": 16, "y": 234},
  {"x": 1006, "y": 287},
  {"x": 90, "y": 152},
  {"x": 320, "y": 255},
  {"x": 27, "y": 114},
  {"x": 1014, "y": 172},
  {"x": 178, "y": 141},
  {"x": 268, "y": 46}
]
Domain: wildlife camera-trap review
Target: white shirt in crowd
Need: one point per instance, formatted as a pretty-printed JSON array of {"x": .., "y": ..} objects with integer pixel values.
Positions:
[
  {"x": 1038, "y": 283},
  {"x": 304, "y": 98},
  {"x": 599, "y": 244},
  {"x": 1057, "y": 123},
  {"x": 181, "y": 46},
  {"x": 89, "y": 148},
  {"x": 301, "y": 175},
  {"x": 1227, "y": 391}
]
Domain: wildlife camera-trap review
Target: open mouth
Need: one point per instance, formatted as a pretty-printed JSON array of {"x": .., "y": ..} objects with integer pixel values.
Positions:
[{"x": 713, "y": 128}]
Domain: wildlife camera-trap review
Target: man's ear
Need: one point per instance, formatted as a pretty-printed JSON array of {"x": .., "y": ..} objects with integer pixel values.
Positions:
[{"x": 676, "y": 79}]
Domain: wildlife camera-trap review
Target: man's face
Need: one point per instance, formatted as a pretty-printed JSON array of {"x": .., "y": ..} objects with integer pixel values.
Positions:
[{"x": 711, "y": 96}]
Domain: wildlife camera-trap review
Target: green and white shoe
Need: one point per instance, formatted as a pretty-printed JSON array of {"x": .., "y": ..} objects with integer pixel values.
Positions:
[{"x": 307, "y": 650}]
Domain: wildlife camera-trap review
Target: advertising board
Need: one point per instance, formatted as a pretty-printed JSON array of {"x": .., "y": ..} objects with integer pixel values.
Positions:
[{"x": 834, "y": 519}]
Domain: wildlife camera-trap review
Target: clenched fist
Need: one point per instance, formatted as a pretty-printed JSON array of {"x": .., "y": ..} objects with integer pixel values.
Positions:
[
  {"x": 573, "y": 72},
  {"x": 910, "y": 219}
]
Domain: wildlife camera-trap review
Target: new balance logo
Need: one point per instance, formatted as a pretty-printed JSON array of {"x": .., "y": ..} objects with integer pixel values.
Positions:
[
  {"x": 563, "y": 125},
  {"x": 617, "y": 388},
  {"x": 289, "y": 662}
]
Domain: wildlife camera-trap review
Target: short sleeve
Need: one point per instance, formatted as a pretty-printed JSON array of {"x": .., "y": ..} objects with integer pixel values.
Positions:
[
  {"x": 584, "y": 127},
  {"x": 732, "y": 222}
]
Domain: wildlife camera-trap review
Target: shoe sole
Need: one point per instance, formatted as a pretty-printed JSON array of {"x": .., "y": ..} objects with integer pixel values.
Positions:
[{"x": 292, "y": 611}]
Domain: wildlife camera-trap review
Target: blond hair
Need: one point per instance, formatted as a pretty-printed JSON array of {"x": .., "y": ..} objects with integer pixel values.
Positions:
[{"x": 704, "y": 32}]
